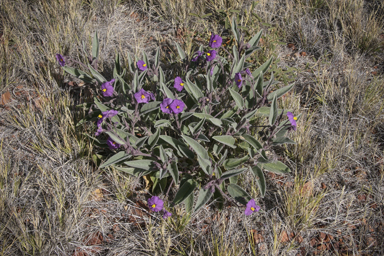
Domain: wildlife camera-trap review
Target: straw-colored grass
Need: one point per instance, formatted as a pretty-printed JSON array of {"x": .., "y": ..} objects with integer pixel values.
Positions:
[{"x": 54, "y": 200}]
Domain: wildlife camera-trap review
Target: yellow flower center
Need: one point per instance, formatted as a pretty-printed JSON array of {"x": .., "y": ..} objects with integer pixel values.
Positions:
[
  {"x": 142, "y": 96},
  {"x": 114, "y": 143},
  {"x": 177, "y": 106},
  {"x": 144, "y": 65},
  {"x": 294, "y": 118},
  {"x": 153, "y": 206},
  {"x": 239, "y": 80},
  {"x": 104, "y": 90},
  {"x": 252, "y": 209},
  {"x": 208, "y": 54},
  {"x": 167, "y": 107},
  {"x": 61, "y": 60},
  {"x": 100, "y": 116},
  {"x": 182, "y": 84},
  {"x": 214, "y": 41}
]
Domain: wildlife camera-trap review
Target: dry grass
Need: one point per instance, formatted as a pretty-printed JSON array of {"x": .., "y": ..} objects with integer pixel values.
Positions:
[{"x": 55, "y": 201}]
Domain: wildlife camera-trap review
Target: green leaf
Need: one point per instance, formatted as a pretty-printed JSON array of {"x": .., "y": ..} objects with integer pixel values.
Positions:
[
  {"x": 154, "y": 138},
  {"x": 235, "y": 54},
  {"x": 280, "y": 92},
  {"x": 204, "y": 196},
  {"x": 163, "y": 154},
  {"x": 252, "y": 141},
  {"x": 97, "y": 75},
  {"x": 131, "y": 65},
  {"x": 260, "y": 179},
  {"x": 235, "y": 30},
  {"x": 100, "y": 105},
  {"x": 167, "y": 91},
  {"x": 185, "y": 190},
  {"x": 131, "y": 171},
  {"x": 115, "y": 138},
  {"x": 189, "y": 203},
  {"x": 238, "y": 98},
  {"x": 141, "y": 141},
  {"x": 282, "y": 140},
  {"x": 259, "y": 85},
  {"x": 185, "y": 115},
  {"x": 174, "y": 171},
  {"x": 264, "y": 111},
  {"x": 95, "y": 46},
  {"x": 202, "y": 137},
  {"x": 255, "y": 39},
  {"x": 181, "y": 52},
  {"x": 193, "y": 89},
  {"x": 273, "y": 112},
  {"x": 196, "y": 127},
  {"x": 228, "y": 114},
  {"x": 238, "y": 194},
  {"x": 78, "y": 73},
  {"x": 249, "y": 115},
  {"x": 212, "y": 119},
  {"x": 145, "y": 58},
  {"x": 157, "y": 57},
  {"x": 276, "y": 167},
  {"x": 197, "y": 147},
  {"x": 234, "y": 162},
  {"x": 150, "y": 106},
  {"x": 178, "y": 145},
  {"x": 162, "y": 123},
  {"x": 205, "y": 165},
  {"x": 117, "y": 68},
  {"x": 232, "y": 173},
  {"x": 135, "y": 82},
  {"x": 263, "y": 68},
  {"x": 141, "y": 164},
  {"x": 226, "y": 139},
  {"x": 238, "y": 67},
  {"x": 115, "y": 158}
]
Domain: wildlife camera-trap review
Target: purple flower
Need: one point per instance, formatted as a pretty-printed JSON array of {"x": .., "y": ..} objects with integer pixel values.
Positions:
[
  {"x": 166, "y": 214},
  {"x": 251, "y": 207},
  {"x": 112, "y": 145},
  {"x": 179, "y": 85},
  {"x": 141, "y": 65},
  {"x": 143, "y": 97},
  {"x": 60, "y": 59},
  {"x": 292, "y": 119},
  {"x": 248, "y": 72},
  {"x": 110, "y": 113},
  {"x": 199, "y": 53},
  {"x": 239, "y": 80},
  {"x": 211, "y": 55},
  {"x": 107, "y": 88},
  {"x": 155, "y": 204},
  {"x": 215, "y": 41},
  {"x": 177, "y": 106},
  {"x": 165, "y": 105},
  {"x": 106, "y": 114}
]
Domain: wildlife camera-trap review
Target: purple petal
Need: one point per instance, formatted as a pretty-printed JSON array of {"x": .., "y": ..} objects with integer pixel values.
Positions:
[
  {"x": 165, "y": 105},
  {"x": 177, "y": 106},
  {"x": 141, "y": 65}
]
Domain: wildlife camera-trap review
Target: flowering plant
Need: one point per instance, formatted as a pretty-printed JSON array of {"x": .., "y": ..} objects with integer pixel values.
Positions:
[{"x": 196, "y": 130}]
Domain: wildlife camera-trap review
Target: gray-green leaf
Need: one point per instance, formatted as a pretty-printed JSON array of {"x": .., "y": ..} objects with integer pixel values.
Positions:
[
  {"x": 204, "y": 196},
  {"x": 238, "y": 194}
]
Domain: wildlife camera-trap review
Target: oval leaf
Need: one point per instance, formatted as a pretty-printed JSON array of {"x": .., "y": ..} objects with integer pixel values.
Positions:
[
  {"x": 226, "y": 140},
  {"x": 238, "y": 194},
  {"x": 184, "y": 191},
  {"x": 232, "y": 173},
  {"x": 260, "y": 179},
  {"x": 204, "y": 196},
  {"x": 277, "y": 167}
]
